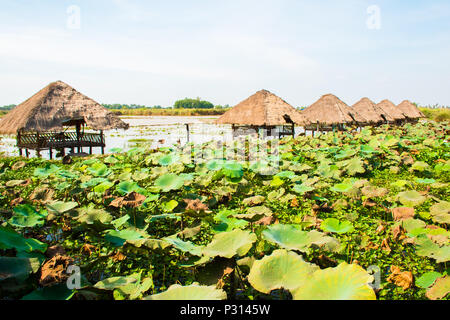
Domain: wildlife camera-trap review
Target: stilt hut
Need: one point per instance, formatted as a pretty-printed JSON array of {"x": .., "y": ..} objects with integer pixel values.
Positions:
[
  {"x": 373, "y": 113},
  {"x": 412, "y": 113},
  {"x": 395, "y": 113},
  {"x": 263, "y": 113},
  {"x": 42, "y": 122},
  {"x": 330, "y": 113}
]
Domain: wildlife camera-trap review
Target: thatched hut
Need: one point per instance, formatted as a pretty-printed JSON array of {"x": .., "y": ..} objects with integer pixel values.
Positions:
[
  {"x": 410, "y": 111},
  {"x": 330, "y": 113},
  {"x": 40, "y": 122},
  {"x": 263, "y": 110},
  {"x": 371, "y": 111},
  {"x": 389, "y": 108}
]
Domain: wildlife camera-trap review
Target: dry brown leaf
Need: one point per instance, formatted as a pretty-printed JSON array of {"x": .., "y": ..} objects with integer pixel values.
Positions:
[
  {"x": 380, "y": 228},
  {"x": 402, "y": 213},
  {"x": 16, "y": 201},
  {"x": 87, "y": 248},
  {"x": 119, "y": 256},
  {"x": 54, "y": 270},
  {"x": 440, "y": 289},
  {"x": 401, "y": 279},
  {"x": 385, "y": 246},
  {"x": 265, "y": 221},
  {"x": 131, "y": 200},
  {"x": 195, "y": 205},
  {"x": 368, "y": 203},
  {"x": 294, "y": 203}
]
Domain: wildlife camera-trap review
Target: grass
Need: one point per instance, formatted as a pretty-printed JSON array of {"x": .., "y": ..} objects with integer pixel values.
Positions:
[{"x": 438, "y": 114}]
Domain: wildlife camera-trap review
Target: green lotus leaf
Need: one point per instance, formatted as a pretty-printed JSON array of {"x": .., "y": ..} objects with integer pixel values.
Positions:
[
  {"x": 288, "y": 236},
  {"x": 412, "y": 224},
  {"x": 440, "y": 212},
  {"x": 117, "y": 223},
  {"x": 282, "y": 269},
  {"x": 346, "y": 153},
  {"x": 91, "y": 215},
  {"x": 427, "y": 279},
  {"x": 192, "y": 292},
  {"x": 342, "y": 187},
  {"x": 420, "y": 166},
  {"x": 344, "y": 282},
  {"x": 215, "y": 165},
  {"x": 440, "y": 289},
  {"x": 328, "y": 171},
  {"x": 229, "y": 244},
  {"x": 227, "y": 222},
  {"x": 55, "y": 292},
  {"x": 185, "y": 246},
  {"x": 285, "y": 174},
  {"x": 302, "y": 189},
  {"x": 168, "y": 159},
  {"x": 427, "y": 248},
  {"x": 9, "y": 239},
  {"x": 255, "y": 213},
  {"x": 336, "y": 226},
  {"x": 300, "y": 167},
  {"x": 18, "y": 269},
  {"x": 323, "y": 241},
  {"x": 425, "y": 181},
  {"x": 114, "y": 282},
  {"x": 26, "y": 215},
  {"x": 374, "y": 192},
  {"x": 99, "y": 170},
  {"x": 111, "y": 159},
  {"x": 92, "y": 182},
  {"x": 152, "y": 244},
  {"x": 354, "y": 166},
  {"x": 118, "y": 238},
  {"x": 126, "y": 187},
  {"x": 140, "y": 175},
  {"x": 45, "y": 171},
  {"x": 59, "y": 207},
  {"x": 252, "y": 201},
  {"x": 169, "y": 181},
  {"x": 169, "y": 206},
  {"x": 277, "y": 181},
  {"x": 233, "y": 170},
  {"x": 102, "y": 187},
  {"x": 67, "y": 174},
  {"x": 411, "y": 198}
]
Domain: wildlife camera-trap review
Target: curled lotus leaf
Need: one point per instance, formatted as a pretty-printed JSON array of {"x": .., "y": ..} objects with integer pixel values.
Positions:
[
  {"x": 288, "y": 236},
  {"x": 254, "y": 213},
  {"x": 440, "y": 212},
  {"x": 342, "y": 187},
  {"x": 282, "y": 269},
  {"x": 126, "y": 187},
  {"x": 228, "y": 244},
  {"x": 427, "y": 279},
  {"x": 44, "y": 172},
  {"x": 302, "y": 188},
  {"x": 91, "y": 215},
  {"x": 374, "y": 192},
  {"x": 344, "y": 282},
  {"x": 15, "y": 183},
  {"x": 102, "y": 187},
  {"x": 411, "y": 198},
  {"x": 151, "y": 244},
  {"x": 169, "y": 181},
  {"x": 185, "y": 246},
  {"x": 99, "y": 169},
  {"x": 114, "y": 282},
  {"x": 427, "y": 248},
  {"x": 253, "y": 201},
  {"x": 192, "y": 292},
  {"x": 419, "y": 166},
  {"x": 118, "y": 238},
  {"x": 323, "y": 241},
  {"x": 336, "y": 226},
  {"x": 233, "y": 170},
  {"x": 18, "y": 165}
]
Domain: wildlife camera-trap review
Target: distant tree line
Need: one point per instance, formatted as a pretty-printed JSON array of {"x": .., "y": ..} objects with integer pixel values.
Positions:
[
  {"x": 8, "y": 107},
  {"x": 186, "y": 103}
]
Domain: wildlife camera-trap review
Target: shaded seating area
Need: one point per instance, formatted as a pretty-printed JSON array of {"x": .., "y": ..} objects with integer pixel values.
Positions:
[
  {"x": 46, "y": 122},
  {"x": 263, "y": 114}
]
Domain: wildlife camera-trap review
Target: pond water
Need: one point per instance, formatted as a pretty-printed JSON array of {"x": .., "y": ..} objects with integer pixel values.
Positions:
[{"x": 158, "y": 131}]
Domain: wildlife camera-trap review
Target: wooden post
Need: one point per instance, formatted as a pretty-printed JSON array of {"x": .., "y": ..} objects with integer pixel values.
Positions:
[
  {"x": 26, "y": 152},
  {"x": 90, "y": 150},
  {"x": 187, "y": 131},
  {"x": 51, "y": 153},
  {"x": 38, "y": 153},
  {"x": 20, "y": 151},
  {"x": 102, "y": 141}
]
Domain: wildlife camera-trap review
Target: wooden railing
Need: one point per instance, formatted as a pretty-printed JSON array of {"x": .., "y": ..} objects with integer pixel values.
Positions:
[{"x": 53, "y": 140}]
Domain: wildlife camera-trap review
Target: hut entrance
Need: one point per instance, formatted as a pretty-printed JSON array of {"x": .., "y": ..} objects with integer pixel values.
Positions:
[{"x": 59, "y": 141}]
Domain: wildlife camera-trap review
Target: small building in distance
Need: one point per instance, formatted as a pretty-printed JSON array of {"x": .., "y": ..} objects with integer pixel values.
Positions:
[
  {"x": 390, "y": 109},
  {"x": 371, "y": 112},
  {"x": 263, "y": 113},
  {"x": 330, "y": 113},
  {"x": 42, "y": 121},
  {"x": 410, "y": 111}
]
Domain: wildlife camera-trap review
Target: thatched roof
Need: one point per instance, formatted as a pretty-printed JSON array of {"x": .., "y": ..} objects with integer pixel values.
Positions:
[
  {"x": 330, "y": 110},
  {"x": 390, "y": 108},
  {"x": 57, "y": 102},
  {"x": 410, "y": 110},
  {"x": 369, "y": 110},
  {"x": 262, "y": 109}
]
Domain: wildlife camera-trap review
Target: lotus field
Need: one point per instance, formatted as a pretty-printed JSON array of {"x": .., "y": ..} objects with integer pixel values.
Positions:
[{"x": 345, "y": 215}]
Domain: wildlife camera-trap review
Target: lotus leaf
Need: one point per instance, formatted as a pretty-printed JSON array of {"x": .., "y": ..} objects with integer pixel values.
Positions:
[
  {"x": 99, "y": 170},
  {"x": 427, "y": 279},
  {"x": 440, "y": 289},
  {"x": 26, "y": 215},
  {"x": 302, "y": 189},
  {"x": 336, "y": 226},
  {"x": 229, "y": 244},
  {"x": 411, "y": 198},
  {"x": 345, "y": 282},
  {"x": 427, "y": 248},
  {"x": 342, "y": 187},
  {"x": 18, "y": 269},
  {"x": 9, "y": 239},
  {"x": 185, "y": 246},
  {"x": 47, "y": 170},
  {"x": 440, "y": 212},
  {"x": 192, "y": 292},
  {"x": 61, "y": 206},
  {"x": 282, "y": 269},
  {"x": 55, "y": 292},
  {"x": 169, "y": 181},
  {"x": 288, "y": 236},
  {"x": 118, "y": 238}
]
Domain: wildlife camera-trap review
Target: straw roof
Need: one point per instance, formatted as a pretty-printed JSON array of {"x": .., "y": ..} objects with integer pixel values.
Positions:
[
  {"x": 262, "y": 109},
  {"x": 330, "y": 110},
  {"x": 410, "y": 110},
  {"x": 390, "y": 108},
  {"x": 57, "y": 102},
  {"x": 369, "y": 110}
]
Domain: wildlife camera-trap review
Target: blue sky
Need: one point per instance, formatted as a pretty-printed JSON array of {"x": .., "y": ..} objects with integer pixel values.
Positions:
[{"x": 156, "y": 52}]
